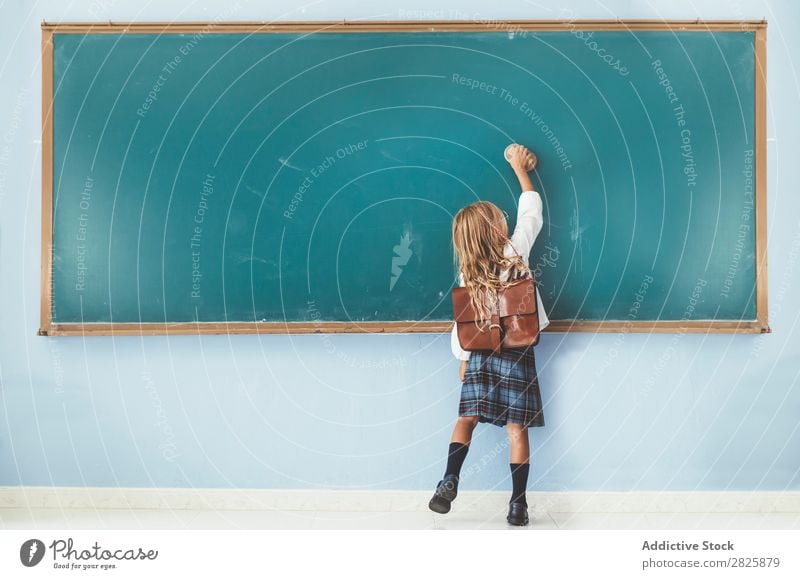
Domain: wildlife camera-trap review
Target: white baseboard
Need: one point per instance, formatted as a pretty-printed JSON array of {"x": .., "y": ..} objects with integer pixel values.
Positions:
[{"x": 393, "y": 500}]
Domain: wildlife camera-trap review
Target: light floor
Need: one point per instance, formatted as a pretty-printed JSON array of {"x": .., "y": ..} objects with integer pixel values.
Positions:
[{"x": 20, "y": 518}]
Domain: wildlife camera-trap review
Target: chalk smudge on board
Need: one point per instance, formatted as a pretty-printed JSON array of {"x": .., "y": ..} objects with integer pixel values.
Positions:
[
  {"x": 240, "y": 258},
  {"x": 402, "y": 253},
  {"x": 286, "y": 163},
  {"x": 576, "y": 235},
  {"x": 254, "y": 191},
  {"x": 389, "y": 156}
]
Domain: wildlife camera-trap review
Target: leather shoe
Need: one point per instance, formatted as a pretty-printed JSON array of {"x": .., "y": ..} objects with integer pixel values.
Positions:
[
  {"x": 517, "y": 514},
  {"x": 446, "y": 491}
]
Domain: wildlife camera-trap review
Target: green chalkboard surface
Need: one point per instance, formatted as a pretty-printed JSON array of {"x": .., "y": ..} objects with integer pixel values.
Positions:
[{"x": 239, "y": 177}]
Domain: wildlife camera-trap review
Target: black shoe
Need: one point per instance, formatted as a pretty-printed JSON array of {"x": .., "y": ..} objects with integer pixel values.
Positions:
[
  {"x": 445, "y": 492},
  {"x": 517, "y": 514}
]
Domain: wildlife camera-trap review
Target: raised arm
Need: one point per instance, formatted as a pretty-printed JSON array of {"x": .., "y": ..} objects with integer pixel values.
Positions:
[{"x": 529, "y": 213}]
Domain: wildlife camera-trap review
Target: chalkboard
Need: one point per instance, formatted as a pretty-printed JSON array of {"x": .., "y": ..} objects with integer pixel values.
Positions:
[{"x": 286, "y": 179}]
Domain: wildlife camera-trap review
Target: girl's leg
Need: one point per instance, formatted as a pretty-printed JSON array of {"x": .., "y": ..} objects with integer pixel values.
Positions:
[
  {"x": 447, "y": 489},
  {"x": 462, "y": 432},
  {"x": 520, "y": 445},
  {"x": 459, "y": 444},
  {"x": 519, "y": 461}
]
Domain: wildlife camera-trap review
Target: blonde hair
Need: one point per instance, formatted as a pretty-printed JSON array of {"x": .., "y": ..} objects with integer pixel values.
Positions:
[{"x": 479, "y": 242}]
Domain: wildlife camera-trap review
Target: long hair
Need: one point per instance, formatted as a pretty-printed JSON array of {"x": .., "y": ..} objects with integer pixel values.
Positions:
[{"x": 479, "y": 241}]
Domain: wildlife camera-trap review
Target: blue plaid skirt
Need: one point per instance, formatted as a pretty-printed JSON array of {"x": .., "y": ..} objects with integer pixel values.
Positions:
[{"x": 502, "y": 387}]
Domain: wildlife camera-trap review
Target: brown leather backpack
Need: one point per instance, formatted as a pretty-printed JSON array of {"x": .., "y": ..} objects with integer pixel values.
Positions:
[{"x": 514, "y": 323}]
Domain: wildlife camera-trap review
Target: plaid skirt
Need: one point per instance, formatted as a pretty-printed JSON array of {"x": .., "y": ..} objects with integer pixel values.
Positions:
[{"x": 502, "y": 387}]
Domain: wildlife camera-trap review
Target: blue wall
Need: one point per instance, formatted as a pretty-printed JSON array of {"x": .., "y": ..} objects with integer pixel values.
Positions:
[{"x": 623, "y": 411}]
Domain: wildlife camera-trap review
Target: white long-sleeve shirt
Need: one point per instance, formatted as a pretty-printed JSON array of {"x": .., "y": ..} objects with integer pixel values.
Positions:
[{"x": 529, "y": 224}]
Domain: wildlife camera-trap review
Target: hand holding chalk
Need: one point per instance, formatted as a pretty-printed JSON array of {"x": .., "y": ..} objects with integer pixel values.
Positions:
[{"x": 520, "y": 158}]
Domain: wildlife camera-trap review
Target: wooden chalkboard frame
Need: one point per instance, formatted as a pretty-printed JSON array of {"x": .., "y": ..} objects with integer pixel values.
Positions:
[{"x": 48, "y": 328}]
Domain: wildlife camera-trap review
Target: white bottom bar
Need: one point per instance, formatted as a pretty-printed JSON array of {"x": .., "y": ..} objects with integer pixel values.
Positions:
[{"x": 390, "y": 554}]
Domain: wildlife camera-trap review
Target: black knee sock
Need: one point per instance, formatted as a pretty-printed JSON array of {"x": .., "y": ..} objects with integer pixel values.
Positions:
[
  {"x": 455, "y": 458},
  {"x": 519, "y": 478}
]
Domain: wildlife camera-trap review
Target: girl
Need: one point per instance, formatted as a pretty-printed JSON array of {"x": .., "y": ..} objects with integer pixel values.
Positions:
[{"x": 498, "y": 388}]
